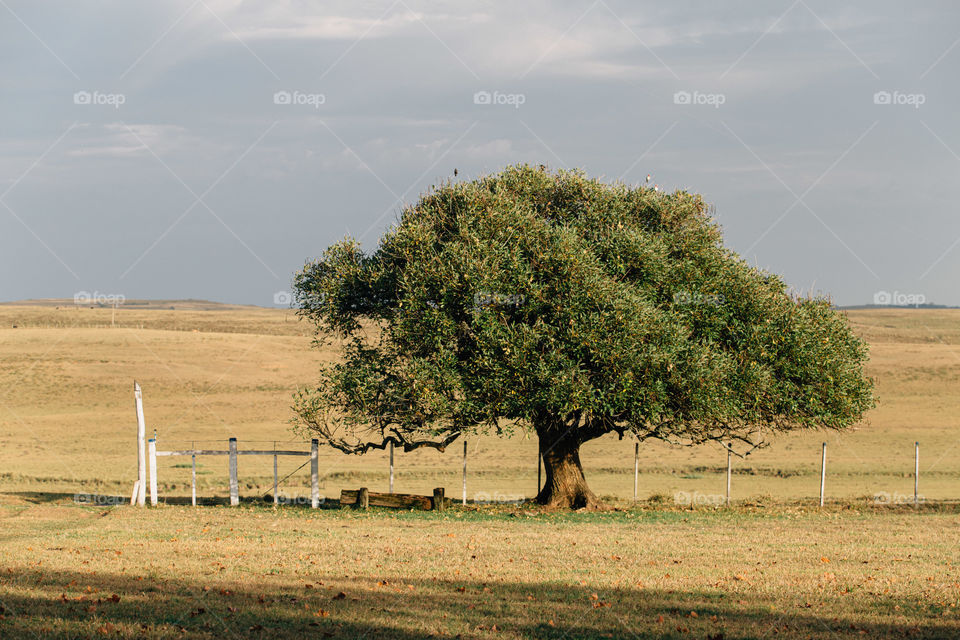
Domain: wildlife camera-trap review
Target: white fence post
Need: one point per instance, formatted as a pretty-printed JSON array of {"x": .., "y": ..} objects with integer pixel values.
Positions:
[
  {"x": 315, "y": 473},
  {"x": 234, "y": 483},
  {"x": 276, "y": 498},
  {"x": 636, "y": 469},
  {"x": 141, "y": 446},
  {"x": 823, "y": 471},
  {"x": 152, "y": 446},
  {"x": 464, "y": 472}
]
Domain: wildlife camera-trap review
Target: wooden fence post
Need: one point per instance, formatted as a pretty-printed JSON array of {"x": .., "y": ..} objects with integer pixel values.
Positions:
[
  {"x": 636, "y": 469},
  {"x": 234, "y": 482},
  {"x": 152, "y": 447},
  {"x": 391, "y": 466},
  {"x": 916, "y": 474},
  {"x": 728, "y": 473},
  {"x": 363, "y": 498},
  {"x": 315, "y": 474},
  {"x": 141, "y": 446},
  {"x": 464, "y": 472},
  {"x": 823, "y": 471},
  {"x": 438, "y": 499}
]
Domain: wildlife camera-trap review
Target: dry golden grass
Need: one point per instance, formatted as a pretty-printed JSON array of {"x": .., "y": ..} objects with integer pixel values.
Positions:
[
  {"x": 80, "y": 572},
  {"x": 67, "y": 422},
  {"x": 771, "y": 565}
]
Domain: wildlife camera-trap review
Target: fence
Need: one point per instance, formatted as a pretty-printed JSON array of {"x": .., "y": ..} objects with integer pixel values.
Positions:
[{"x": 148, "y": 454}]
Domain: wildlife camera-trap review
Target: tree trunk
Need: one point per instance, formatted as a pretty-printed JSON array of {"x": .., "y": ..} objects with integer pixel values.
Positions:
[{"x": 565, "y": 486}]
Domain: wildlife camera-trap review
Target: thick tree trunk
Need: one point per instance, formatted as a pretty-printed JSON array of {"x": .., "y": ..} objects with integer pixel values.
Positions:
[{"x": 565, "y": 486}]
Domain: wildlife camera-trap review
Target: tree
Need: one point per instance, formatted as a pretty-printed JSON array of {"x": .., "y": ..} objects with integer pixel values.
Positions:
[{"x": 570, "y": 308}]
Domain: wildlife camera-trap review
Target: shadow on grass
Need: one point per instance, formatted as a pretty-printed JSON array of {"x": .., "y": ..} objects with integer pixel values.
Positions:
[{"x": 79, "y": 604}]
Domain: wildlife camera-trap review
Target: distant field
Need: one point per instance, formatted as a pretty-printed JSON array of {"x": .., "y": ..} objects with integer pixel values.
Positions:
[{"x": 209, "y": 373}]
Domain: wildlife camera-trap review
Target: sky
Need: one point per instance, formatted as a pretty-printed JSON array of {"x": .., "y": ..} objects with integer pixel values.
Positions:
[{"x": 209, "y": 148}]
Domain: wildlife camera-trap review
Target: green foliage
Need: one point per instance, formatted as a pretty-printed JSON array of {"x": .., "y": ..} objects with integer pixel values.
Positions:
[{"x": 532, "y": 296}]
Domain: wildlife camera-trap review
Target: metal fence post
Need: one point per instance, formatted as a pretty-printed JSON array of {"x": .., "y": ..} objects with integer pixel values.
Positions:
[
  {"x": 315, "y": 474},
  {"x": 152, "y": 447},
  {"x": 823, "y": 472},
  {"x": 234, "y": 482},
  {"x": 729, "y": 466},
  {"x": 464, "y": 472}
]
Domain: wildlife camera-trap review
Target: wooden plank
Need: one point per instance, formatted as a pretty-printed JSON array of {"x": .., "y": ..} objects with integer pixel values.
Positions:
[{"x": 391, "y": 500}]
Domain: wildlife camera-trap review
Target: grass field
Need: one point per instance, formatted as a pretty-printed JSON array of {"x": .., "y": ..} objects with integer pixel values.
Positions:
[
  {"x": 67, "y": 421},
  {"x": 773, "y": 565},
  {"x": 78, "y": 572}
]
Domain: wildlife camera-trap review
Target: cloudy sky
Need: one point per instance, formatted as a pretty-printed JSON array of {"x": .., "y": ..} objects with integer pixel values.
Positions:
[{"x": 208, "y": 148}]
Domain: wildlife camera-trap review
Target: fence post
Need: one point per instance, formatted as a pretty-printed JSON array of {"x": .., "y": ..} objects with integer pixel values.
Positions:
[
  {"x": 391, "y": 466},
  {"x": 363, "y": 498},
  {"x": 636, "y": 469},
  {"x": 193, "y": 477},
  {"x": 276, "y": 498},
  {"x": 141, "y": 446},
  {"x": 315, "y": 474},
  {"x": 464, "y": 472},
  {"x": 728, "y": 473},
  {"x": 438, "y": 499},
  {"x": 152, "y": 446},
  {"x": 539, "y": 468},
  {"x": 916, "y": 474},
  {"x": 234, "y": 483},
  {"x": 823, "y": 471}
]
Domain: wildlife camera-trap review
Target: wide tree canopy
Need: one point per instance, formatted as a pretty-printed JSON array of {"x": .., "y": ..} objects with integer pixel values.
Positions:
[{"x": 571, "y": 308}]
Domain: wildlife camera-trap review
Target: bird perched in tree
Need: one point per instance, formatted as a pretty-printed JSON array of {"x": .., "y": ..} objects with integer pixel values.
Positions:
[{"x": 454, "y": 173}]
